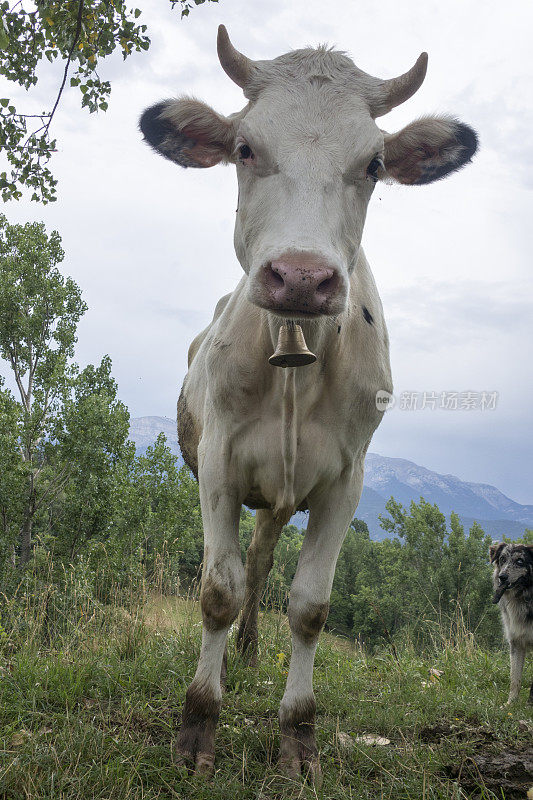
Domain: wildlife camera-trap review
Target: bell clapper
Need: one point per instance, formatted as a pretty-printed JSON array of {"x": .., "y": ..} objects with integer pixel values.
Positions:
[{"x": 291, "y": 350}]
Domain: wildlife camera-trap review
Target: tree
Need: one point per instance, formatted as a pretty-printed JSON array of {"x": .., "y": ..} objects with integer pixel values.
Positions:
[
  {"x": 90, "y": 436},
  {"x": 67, "y": 426},
  {"x": 154, "y": 525},
  {"x": 355, "y": 558},
  {"x": 441, "y": 574},
  {"x": 11, "y": 474},
  {"x": 78, "y": 33}
]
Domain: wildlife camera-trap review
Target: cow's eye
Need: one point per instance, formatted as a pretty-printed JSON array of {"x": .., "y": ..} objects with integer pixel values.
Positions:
[
  {"x": 245, "y": 152},
  {"x": 373, "y": 168}
]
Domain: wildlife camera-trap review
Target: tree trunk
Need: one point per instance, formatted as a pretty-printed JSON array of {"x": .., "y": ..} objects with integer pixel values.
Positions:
[{"x": 25, "y": 540}]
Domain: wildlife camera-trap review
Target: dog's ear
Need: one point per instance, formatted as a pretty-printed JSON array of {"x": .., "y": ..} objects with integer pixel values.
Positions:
[{"x": 495, "y": 551}]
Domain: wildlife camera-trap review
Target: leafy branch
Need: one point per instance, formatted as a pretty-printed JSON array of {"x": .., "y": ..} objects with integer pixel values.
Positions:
[{"x": 82, "y": 33}]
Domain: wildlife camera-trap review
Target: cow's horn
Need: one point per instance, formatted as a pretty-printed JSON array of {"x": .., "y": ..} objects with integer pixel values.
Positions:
[
  {"x": 236, "y": 65},
  {"x": 398, "y": 90}
]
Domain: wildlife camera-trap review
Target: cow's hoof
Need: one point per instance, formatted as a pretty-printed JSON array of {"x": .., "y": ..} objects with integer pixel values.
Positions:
[
  {"x": 186, "y": 754},
  {"x": 195, "y": 747},
  {"x": 299, "y": 755},
  {"x": 297, "y": 767}
]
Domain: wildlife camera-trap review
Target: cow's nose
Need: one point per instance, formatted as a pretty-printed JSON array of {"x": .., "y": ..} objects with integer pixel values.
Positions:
[{"x": 303, "y": 283}]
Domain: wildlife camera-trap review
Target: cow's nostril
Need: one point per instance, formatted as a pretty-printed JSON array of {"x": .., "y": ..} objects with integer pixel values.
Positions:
[
  {"x": 275, "y": 279},
  {"x": 327, "y": 285}
]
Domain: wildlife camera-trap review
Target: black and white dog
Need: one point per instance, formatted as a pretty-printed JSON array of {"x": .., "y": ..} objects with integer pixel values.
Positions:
[{"x": 513, "y": 590}]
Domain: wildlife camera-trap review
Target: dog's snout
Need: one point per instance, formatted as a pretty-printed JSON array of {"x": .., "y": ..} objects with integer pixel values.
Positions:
[{"x": 503, "y": 577}]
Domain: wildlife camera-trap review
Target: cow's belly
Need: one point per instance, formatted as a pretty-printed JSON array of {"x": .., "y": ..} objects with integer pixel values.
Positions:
[{"x": 320, "y": 460}]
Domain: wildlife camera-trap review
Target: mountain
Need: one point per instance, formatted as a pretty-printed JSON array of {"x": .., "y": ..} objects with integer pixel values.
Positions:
[
  {"x": 497, "y": 514},
  {"x": 145, "y": 430},
  {"x": 407, "y": 481}
]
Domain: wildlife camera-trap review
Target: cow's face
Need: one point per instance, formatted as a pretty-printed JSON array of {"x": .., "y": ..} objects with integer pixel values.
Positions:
[
  {"x": 308, "y": 154},
  {"x": 306, "y": 166}
]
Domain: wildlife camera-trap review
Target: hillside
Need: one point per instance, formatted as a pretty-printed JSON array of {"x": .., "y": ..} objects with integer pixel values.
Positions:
[
  {"x": 94, "y": 713},
  {"x": 404, "y": 480}
]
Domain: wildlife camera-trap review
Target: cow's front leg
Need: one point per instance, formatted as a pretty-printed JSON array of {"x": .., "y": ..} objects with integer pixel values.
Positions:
[
  {"x": 329, "y": 518},
  {"x": 221, "y": 597}
]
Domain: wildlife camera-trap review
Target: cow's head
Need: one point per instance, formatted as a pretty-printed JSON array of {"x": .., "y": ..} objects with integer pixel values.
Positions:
[{"x": 308, "y": 154}]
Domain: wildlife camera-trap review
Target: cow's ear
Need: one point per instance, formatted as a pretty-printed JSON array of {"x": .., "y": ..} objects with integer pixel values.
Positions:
[
  {"x": 495, "y": 550},
  {"x": 188, "y": 132},
  {"x": 428, "y": 149}
]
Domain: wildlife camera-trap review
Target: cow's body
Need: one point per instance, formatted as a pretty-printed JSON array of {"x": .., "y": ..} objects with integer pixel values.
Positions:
[
  {"x": 308, "y": 154},
  {"x": 237, "y": 391}
]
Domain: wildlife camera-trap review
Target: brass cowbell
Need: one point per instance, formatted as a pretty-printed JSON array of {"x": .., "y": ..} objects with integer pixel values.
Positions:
[{"x": 291, "y": 350}]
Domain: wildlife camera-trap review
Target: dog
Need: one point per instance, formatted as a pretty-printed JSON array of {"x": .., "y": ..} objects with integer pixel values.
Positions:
[{"x": 513, "y": 590}]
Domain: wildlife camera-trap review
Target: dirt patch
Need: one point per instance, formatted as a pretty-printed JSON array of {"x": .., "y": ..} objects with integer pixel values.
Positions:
[
  {"x": 434, "y": 733},
  {"x": 473, "y": 732},
  {"x": 508, "y": 772},
  {"x": 485, "y": 764}
]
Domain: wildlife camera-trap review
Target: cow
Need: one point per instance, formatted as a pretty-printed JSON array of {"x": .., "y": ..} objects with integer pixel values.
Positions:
[{"x": 308, "y": 155}]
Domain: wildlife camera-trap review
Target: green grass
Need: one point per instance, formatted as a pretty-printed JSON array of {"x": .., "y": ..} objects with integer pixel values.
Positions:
[{"x": 94, "y": 713}]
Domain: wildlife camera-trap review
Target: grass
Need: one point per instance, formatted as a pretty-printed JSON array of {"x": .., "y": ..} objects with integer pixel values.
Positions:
[{"x": 93, "y": 713}]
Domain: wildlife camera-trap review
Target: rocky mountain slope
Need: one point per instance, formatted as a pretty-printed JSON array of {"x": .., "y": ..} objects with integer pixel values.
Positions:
[{"x": 404, "y": 480}]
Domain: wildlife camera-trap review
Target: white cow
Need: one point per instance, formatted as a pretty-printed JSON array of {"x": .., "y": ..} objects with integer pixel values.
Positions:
[{"x": 308, "y": 155}]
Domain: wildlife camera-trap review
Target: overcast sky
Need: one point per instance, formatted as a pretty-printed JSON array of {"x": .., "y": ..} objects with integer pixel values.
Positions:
[{"x": 151, "y": 245}]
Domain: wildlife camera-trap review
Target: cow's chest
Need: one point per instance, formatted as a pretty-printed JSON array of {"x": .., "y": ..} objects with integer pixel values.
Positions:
[
  {"x": 233, "y": 412},
  {"x": 319, "y": 460},
  {"x": 329, "y": 431}
]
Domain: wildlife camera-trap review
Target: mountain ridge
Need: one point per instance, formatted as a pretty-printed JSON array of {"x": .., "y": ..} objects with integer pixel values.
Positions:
[{"x": 388, "y": 476}]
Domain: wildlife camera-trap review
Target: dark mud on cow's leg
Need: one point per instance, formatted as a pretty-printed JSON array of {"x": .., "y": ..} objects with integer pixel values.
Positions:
[
  {"x": 220, "y": 600},
  {"x": 298, "y": 749},
  {"x": 195, "y": 747}
]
